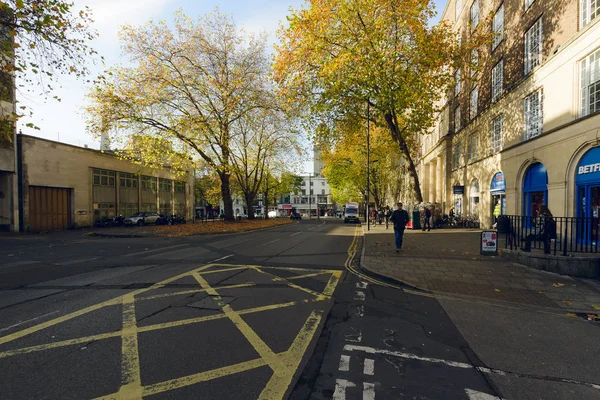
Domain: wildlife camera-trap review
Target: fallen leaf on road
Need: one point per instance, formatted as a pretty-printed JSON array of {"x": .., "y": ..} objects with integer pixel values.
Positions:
[
  {"x": 497, "y": 290},
  {"x": 571, "y": 315},
  {"x": 567, "y": 302},
  {"x": 540, "y": 292},
  {"x": 596, "y": 307},
  {"x": 558, "y": 284}
]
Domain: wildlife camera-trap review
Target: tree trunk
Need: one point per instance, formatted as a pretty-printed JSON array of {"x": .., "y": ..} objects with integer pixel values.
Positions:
[
  {"x": 412, "y": 169},
  {"x": 266, "y": 202},
  {"x": 250, "y": 204},
  {"x": 226, "y": 194}
]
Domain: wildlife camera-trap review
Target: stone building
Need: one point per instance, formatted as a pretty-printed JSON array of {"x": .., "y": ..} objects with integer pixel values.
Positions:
[
  {"x": 523, "y": 128},
  {"x": 63, "y": 186}
]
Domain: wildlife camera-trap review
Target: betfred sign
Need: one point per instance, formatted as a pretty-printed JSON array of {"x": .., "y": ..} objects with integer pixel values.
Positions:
[{"x": 588, "y": 169}]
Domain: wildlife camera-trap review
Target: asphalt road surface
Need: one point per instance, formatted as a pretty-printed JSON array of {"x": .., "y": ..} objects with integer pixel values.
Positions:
[{"x": 268, "y": 314}]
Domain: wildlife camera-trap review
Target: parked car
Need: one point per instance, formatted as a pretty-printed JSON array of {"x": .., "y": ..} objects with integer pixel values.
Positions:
[
  {"x": 272, "y": 214},
  {"x": 294, "y": 216},
  {"x": 141, "y": 218}
]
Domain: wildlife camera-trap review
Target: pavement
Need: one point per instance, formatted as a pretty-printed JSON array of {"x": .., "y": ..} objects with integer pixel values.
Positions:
[{"x": 448, "y": 261}]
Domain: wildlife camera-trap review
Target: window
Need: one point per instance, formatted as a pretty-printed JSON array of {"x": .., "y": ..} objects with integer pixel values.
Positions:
[
  {"x": 457, "y": 82},
  {"x": 497, "y": 80},
  {"x": 588, "y": 10},
  {"x": 312, "y": 191},
  {"x": 304, "y": 191},
  {"x": 149, "y": 183},
  {"x": 312, "y": 183},
  {"x": 322, "y": 183},
  {"x": 456, "y": 155},
  {"x": 128, "y": 180},
  {"x": 102, "y": 177},
  {"x": 474, "y": 97},
  {"x": 164, "y": 185},
  {"x": 322, "y": 191},
  {"x": 533, "y": 46},
  {"x": 590, "y": 84},
  {"x": 458, "y": 8},
  {"x": 498, "y": 27},
  {"x": 179, "y": 187},
  {"x": 457, "y": 119},
  {"x": 528, "y": 3},
  {"x": 128, "y": 209},
  {"x": 475, "y": 14},
  {"x": 472, "y": 150},
  {"x": 497, "y": 133},
  {"x": 533, "y": 114},
  {"x": 104, "y": 210},
  {"x": 474, "y": 61}
]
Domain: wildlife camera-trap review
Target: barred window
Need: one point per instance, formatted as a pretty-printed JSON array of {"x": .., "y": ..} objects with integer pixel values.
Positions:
[
  {"x": 179, "y": 187},
  {"x": 497, "y": 80},
  {"x": 533, "y": 114},
  {"x": 498, "y": 27},
  {"x": 590, "y": 84},
  {"x": 533, "y": 46},
  {"x": 588, "y": 10},
  {"x": 149, "y": 183},
  {"x": 128, "y": 180},
  {"x": 474, "y": 98},
  {"x": 497, "y": 134},
  {"x": 103, "y": 177}
]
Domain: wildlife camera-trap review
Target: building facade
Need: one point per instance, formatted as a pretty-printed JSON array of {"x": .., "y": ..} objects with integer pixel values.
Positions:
[
  {"x": 63, "y": 186},
  {"x": 522, "y": 129},
  {"x": 314, "y": 198}
]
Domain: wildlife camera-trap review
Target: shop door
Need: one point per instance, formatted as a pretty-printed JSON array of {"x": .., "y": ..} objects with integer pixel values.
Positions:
[{"x": 49, "y": 208}]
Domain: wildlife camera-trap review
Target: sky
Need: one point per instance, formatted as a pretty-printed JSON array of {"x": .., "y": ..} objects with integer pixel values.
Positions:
[{"x": 64, "y": 121}]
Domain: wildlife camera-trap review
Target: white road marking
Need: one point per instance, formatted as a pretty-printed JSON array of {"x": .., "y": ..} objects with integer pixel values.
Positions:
[
  {"x": 29, "y": 320},
  {"x": 371, "y": 350},
  {"x": 362, "y": 285},
  {"x": 297, "y": 233},
  {"x": 220, "y": 259},
  {"x": 344, "y": 363},
  {"x": 360, "y": 310},
  {"x": 19, "y": 263},
  {"x": 359, "y": 296},
  {"x": 475, "y": 395},
  {"x": 139, "y": 253},
  {"x": 272, "y": 241},
  {"x": 76, "y": 261},
  {"x": 340, "y": 389},
  {"x": 368, "y": 391},
  {"x": 354, "y": 337},
  {"x": 369, "y": 367}
]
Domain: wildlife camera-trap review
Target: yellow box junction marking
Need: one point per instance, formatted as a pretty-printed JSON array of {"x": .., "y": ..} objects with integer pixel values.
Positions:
[{"x": 284, "y": 364}]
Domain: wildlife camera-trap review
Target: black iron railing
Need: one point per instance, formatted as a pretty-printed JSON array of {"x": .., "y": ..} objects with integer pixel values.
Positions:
[{"x": 554, "y": 235}]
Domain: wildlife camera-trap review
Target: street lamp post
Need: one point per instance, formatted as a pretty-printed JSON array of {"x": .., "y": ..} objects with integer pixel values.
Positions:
[{"x": 368, "y": 166}]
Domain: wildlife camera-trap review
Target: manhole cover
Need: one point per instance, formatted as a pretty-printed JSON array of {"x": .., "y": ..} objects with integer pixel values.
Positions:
[{"x": 212, "y": 302}]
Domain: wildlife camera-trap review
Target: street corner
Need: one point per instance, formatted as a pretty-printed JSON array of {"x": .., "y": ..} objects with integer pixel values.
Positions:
[{"x": 252, "y": 324}]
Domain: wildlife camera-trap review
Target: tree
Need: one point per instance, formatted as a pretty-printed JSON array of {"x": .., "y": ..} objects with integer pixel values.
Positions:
[
  {"x": 190, "y": 84},
  {"x": 279, "y": 183},
  {"x": 373, "y": 59},
  {"x": 40, "y": 40}
]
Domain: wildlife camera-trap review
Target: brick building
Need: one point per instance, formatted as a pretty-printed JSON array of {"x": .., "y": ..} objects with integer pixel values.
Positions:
[{"x": 522, "y": 129}]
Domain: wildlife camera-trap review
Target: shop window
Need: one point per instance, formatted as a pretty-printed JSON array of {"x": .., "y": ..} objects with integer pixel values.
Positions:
[
  {"x": 457, "y": 119},
  {"x": 179, "y": 187},
  {"x": 497, "y": 134},
  {"x": 474, "y": 199},
  {"x": 164, "y": 185},
  {"x": 533, "y": 114},
  {"x": 498, "y": 27},
  {"x": 590, "y": 84},
  {"x": 533, "y": 46},
  {"x": 128, "y": 180},
  {"x": 497, "y": 80},
  {"x": 128, "y": 209},
  {"x": 457, "y": 82},
  {"x": 456, "y": 155},
  {"x": 473, "y": 99},
  {"x": 474, "y": 61},
  {"x": 588, "y": 10},
  {"x": 472, "y": 150},
  {"x": 103, "y": 177},
  {"x": 535, "y": 189},
  {"x": 149, "y": 183},
  {"x": 458, "y": 8},
  {"x": 474, "y": 14}
]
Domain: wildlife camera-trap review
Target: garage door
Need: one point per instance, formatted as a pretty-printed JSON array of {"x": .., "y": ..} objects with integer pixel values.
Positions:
[{"x": 49, "y": 208}]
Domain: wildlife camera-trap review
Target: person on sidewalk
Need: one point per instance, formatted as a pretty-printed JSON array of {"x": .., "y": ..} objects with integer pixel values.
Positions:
[
  {"x": 388, "y": 214},
  {"x": 427, "y": 221},
  {"x": 399, "y": 218},
  {"x": 546, "y": 232}
]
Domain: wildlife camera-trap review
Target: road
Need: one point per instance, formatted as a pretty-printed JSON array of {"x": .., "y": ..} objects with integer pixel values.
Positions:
[{"x": 266, "y": 314}]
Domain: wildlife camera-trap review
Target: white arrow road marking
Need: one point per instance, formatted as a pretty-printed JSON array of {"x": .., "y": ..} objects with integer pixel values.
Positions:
[
  {"x": 344, "y": 363},
  {"x": 362, "y": 285},
  {"x": 354, "y": 337},
  {"x": 475, "y": 395},
  {"x": 359, "y": 296},
  {"x": 340, "y": 389},
  {"x": 368, "y": 391},
  {"x": 369, "y": 367}
]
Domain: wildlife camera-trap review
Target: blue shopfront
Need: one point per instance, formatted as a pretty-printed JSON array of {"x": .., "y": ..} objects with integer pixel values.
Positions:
[
  {"x": 535, "y": 189},
  {"x": 587, "y": 179}
]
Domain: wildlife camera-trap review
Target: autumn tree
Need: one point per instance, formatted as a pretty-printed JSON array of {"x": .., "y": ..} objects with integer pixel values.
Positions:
[
  {"x": 344, "y": 58},
  {"x": 279, "y": 181},
  {"x": 39, "y": 41},
  {"x": 190, "y": 83}
]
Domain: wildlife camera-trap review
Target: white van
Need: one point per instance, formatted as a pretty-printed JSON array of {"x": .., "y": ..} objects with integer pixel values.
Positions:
[{"x": 351, "y": 213}]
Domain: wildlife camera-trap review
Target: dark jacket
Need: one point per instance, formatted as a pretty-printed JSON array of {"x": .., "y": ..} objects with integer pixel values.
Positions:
[{"x": 400, "y": 219}]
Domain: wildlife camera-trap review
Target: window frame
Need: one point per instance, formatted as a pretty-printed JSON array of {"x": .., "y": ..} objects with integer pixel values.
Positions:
[
  {"x": 497, "y": 139},
  {"x": 105, "y": 177},
  {"x": 456, "y": 155},
  {"x": 457, "y": 119},
  {"x": 498, "y": 28},
  {"x": 473, "y": 105},
  {"x": 128, "y": 180},
  {"x": 532, "y": 60},
  {"x": 585, "y": 83},
  {"x": 472, "y": 147},
  {"x": 528, "y": 3},
  {"x": 474, "y": 14},
  {"x": 474, "y": 61},
  {"x": 530, "y": 133},
  {"x": 457, "y": 82},
  {"x": 149, "y": 183},
  {"x": 585, "y": 12},
  {"x": 497, "y": 80}
]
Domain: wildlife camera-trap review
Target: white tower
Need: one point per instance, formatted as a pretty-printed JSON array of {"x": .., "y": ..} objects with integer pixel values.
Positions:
[{"x": 318, "y": 164}]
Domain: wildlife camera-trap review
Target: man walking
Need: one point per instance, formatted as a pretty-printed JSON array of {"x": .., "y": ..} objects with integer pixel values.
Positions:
[
  {"x": 399, "y": 218},
  {"x": 427, "y": 222}
]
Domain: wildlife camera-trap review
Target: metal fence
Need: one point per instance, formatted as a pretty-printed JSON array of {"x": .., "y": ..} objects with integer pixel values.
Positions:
[{"x": 554, "y": 235}]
